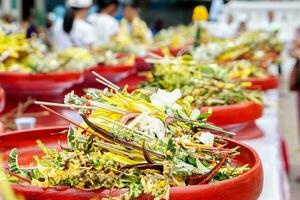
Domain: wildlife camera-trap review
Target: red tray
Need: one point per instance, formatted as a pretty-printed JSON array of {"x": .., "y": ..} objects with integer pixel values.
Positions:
[
  {"x": 38, "y": 84},
  {"x": 264, "y": 83},
  {"x": 247, "y": 186}
]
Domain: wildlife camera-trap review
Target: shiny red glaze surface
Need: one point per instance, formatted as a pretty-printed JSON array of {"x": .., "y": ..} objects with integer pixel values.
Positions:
[
  {"x": 133, "y": 81},
  {"x": 142, "y": 65},
  {"x": 2, "y": 99},
  {"x": 234, "y": 114},
  {"x": 245, "y": 187},
  {"x": 264, "y": 83},
  {"x": 38, "y": 84},
  {"x": 113, "y": 73}
]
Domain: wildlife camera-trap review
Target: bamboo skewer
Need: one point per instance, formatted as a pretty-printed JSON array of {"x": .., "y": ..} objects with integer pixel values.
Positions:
[
  {"x": 112, "y": 85},
  {"x": 89, "y": 107},
  {"x": 80, "y": 107},
  {"x": 125, "y": 126},
  {"x": 108, "y": 107},
  {"x": 63, "y": 105},
  {"x": 64, "y": 117},
  {"x": 154, "y": 55},
  {"x": 107, "y": 145},
  {"x": 74, "y": 123},
  {"x": 167, "y": 61},
  {"x": 104, "y": 83}
]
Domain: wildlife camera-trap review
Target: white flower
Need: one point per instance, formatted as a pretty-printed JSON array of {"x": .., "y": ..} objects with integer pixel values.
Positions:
[
  {"x": 207, "y": 138},
  {"x": 153, "y": 126},
  {"x": 195, "y": 114},
  {"x": 163, "y": 98}
]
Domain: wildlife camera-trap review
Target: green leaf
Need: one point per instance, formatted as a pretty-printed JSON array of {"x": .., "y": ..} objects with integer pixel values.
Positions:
[
  {"x": 191, "y": 160},
  {"x": 13, "y": 165},
  {"x": 214, "y": 128},
  {"x": 13, "y": 162},
  {"x": 171, "y": 149},
  {"x": 71, "y": 137},
  {"x": 136, "y": 189},
  {"x": 201, "y": 167},
  {"x": 182, "y": 168},
  {"x": 204, "y": 115},
  {"x": 207, "y": 70}
]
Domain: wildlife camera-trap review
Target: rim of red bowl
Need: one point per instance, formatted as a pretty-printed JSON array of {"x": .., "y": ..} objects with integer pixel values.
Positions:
[
  {"x": 272, "y": 77},
  {"x": 230, "y": 105},
  {"x": 41, "y": 74}
]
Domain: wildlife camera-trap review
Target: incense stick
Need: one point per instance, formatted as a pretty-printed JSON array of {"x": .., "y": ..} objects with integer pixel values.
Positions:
[
  {"x": 72, "y": 122},
  {"x": 127, "y": 127},
  {"x": 105, "y": 80},
  {"x": 108, "y": 107},
  {"x": 106, "y": 84},
  {"x": 155, "y": 55},
  {"x": 80, "y": 107}
]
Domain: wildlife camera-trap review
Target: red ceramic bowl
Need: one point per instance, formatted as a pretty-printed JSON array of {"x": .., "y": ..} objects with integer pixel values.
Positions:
[
  {"x": 2, "y": 99},
  {"x": 113, "y": 73},
  {"x": 264, "y": 83},
  {"x": 38, "y": 84},
  {"x": 245, "y": 187}
]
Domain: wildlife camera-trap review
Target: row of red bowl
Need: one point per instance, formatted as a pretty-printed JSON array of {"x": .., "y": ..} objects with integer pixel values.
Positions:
[
  {"x": 247, "y": 186},
  {"x": 55, "y": 83}
]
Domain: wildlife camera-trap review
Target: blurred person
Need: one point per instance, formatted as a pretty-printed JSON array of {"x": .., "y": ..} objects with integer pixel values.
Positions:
[
  {"x": 158, "y": 26},
  {"x": 270, "y": 24},
  {"x": 104, "y": 23},
  {"x": 30, "y": 26},
  {"x": 227, "y": 28},
  {"x": 242, "y": 23},
  {"x": 215, "y": 9},
  {"x": 294, "y": 52},
  {"x": 136, "y": 27},
  {"x": 73, "y": 30},
  {"x": 59, "y": 12},
  {"x": 8, "y": 18},
  {"x": 48, "y": 30}
]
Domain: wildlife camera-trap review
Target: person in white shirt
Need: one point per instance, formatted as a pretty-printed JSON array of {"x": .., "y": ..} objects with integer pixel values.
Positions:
[
  {"x": 227, "y": 28},
  {"x": 73, "y": 30},
  {"x": 104, "y": 23},
  {"x": 136, "y": 27},
  {"x": 216, "y": 9}
]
